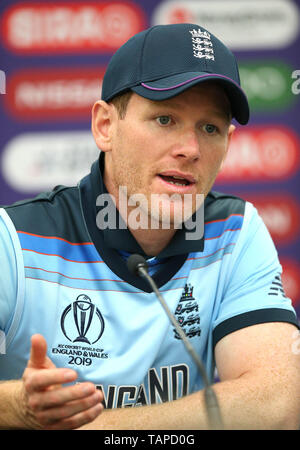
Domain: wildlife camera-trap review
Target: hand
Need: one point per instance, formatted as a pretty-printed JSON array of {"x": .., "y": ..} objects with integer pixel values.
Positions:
[{"x": 46, "y": 403}]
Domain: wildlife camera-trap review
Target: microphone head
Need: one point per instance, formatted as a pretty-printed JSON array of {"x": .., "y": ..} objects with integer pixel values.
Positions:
[{"x": 134, "y": 262}]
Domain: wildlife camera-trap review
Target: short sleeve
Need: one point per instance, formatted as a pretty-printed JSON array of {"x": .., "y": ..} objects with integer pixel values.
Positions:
[
  {"x": 8, "y": 276},
  {"x": 253, "y": 291}
]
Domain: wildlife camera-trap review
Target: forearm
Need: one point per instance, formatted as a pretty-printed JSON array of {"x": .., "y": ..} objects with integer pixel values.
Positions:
[
  {"x": 249, "y": 402},
  {"x": 259, "y": 401},
  {"x": 12, "y": 415},
  {"x": 167, "y": 416}
]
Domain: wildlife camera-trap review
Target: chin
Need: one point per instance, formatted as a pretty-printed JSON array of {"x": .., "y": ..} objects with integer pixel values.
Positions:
[{"x": 168, "y": 216}]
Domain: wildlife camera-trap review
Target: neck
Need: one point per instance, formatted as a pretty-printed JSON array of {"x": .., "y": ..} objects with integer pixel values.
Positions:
[{"x": 152, "y": 241}]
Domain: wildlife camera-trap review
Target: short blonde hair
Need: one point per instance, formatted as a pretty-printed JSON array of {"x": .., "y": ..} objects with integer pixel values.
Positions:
[{"x": 120, "y": 102}]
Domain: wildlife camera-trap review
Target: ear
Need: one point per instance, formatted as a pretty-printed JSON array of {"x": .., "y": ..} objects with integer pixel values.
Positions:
[
  {"x": 229, "y": 136},
  {"x": 102, "y": 119}
]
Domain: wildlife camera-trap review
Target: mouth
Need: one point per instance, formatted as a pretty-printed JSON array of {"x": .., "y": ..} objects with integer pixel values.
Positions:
[{"x": 177, "y": 179}]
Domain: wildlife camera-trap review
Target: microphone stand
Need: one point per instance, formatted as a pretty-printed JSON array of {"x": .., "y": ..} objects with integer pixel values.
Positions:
[{"x": 212, "y": 406}]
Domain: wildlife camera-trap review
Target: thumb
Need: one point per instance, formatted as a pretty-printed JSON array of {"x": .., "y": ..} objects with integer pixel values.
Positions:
[{"x": 38, "y": 353}]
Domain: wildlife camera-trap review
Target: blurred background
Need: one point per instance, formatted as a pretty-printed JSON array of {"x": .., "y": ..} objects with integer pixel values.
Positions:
[{"x": 53, "y": 55}]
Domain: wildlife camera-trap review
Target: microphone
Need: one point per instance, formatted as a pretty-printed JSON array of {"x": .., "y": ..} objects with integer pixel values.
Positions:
[{"x": 137, "y": 265}]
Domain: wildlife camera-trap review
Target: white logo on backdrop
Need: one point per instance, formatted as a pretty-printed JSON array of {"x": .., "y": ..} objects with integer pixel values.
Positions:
[
  {"x": 242, "y": 25},
  {"x": 35, "y": 162}
]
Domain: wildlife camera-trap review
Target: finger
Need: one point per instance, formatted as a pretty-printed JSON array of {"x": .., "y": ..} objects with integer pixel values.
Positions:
[
  {"x": 39, "y": 380},
  {"x": 38, "y": 353},
  {"x": 68, "y": 410},
  {"x": 77, "y": 420},
  {"x": 54, "y": 398}
]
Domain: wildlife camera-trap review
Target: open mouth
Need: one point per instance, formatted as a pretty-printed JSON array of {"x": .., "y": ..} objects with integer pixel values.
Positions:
[{"x": 177, "y": 180}]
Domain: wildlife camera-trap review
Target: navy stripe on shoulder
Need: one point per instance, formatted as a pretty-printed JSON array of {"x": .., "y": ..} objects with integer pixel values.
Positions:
[
  {"x": 219, "y": 206},
  {"x": 53, "y": 214},
  {"x": 42, "y": 197},
  {"x": 249, "y": 318}
]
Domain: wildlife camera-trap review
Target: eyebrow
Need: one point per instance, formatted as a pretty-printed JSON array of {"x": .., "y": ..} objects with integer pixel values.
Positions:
[
  {"x": 168, "y": 103},
  {"x": 222, "y": 114},
  {"x": 226, "y": 113}
]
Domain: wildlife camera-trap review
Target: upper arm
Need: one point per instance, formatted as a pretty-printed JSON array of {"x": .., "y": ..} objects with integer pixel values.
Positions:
[
  {"x": 269, "y": 347},
  {"x": 8, "y": 277},
  {"x": 263, "y": 362}
]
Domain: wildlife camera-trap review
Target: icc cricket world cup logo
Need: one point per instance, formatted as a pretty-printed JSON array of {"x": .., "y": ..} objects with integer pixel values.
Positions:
[{"x": 82, "y": 321}]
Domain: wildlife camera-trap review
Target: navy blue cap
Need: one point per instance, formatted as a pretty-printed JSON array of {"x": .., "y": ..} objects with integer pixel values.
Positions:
[{"x": 165, "y": 60}]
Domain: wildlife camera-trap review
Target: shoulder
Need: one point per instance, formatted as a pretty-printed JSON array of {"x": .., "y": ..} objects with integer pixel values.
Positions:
[
  {"x": 219, "y": 206},
  {"x": 42, "y": 200},
  {"x": 230, "y": 210},
  {"x": 47, "y": 213}
]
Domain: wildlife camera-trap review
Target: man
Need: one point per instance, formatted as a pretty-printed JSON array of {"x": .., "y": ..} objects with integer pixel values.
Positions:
[{"x": 164, "y": 128}]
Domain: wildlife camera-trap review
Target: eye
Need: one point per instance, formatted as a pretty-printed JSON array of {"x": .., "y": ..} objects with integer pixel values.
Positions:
[
  {"x": 164, "y": 120},
  {"x": 209, "y": 128}
]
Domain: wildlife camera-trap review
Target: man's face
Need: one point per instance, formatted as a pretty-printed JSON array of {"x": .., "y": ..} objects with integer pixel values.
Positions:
[{"x": 175, "y": 146}]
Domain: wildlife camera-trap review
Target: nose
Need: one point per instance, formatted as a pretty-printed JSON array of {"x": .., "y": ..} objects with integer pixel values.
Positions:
[{"x": 187, "y": 146}]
